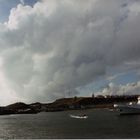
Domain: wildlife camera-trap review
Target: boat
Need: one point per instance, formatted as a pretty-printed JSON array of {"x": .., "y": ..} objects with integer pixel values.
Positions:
[
  {"x": 128, "y": 109},
  {"x": 79, "y": 116}
]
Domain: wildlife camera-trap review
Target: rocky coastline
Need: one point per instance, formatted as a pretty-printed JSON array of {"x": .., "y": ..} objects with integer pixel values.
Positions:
[{"x": 63, "y": 104}]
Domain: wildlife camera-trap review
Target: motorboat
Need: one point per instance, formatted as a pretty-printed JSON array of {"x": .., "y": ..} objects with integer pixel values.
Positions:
[
  {"x": 128, "y": 109},
  {"x": 79, "y": 116}
]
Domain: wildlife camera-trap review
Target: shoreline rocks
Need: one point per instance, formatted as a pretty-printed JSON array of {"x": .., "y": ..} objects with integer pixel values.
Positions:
[{"x": 63, "y": 104}]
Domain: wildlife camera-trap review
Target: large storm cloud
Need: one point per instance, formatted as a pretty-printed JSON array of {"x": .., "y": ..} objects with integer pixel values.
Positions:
[{"x": 56, "y": 46}]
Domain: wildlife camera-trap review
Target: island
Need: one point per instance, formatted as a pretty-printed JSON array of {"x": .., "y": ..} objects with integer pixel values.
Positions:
[{"x": 64, "y": 104}]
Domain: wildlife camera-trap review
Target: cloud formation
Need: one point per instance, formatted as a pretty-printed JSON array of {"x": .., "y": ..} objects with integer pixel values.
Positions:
[
  {"x": 128, "y": 89},
  {"x": 56, "y": 45}
]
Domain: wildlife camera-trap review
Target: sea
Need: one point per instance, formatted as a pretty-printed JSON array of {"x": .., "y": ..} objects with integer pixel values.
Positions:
[{"x": 100, "y": 124}]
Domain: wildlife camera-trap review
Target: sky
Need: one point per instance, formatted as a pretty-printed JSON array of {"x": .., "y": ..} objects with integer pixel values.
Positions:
[{"x": 52, "y": 49}]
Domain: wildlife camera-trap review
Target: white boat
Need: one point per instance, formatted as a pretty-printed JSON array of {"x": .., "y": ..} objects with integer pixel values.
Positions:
[
  {"x": 126, "y": 109},
  {"x": 79, "y": 116}
]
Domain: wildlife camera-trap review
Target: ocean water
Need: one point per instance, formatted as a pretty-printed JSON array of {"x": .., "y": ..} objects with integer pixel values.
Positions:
[{"x": 101, "y": 123}]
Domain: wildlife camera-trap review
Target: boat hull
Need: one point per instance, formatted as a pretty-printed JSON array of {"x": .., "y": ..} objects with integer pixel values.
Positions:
[
  {"x": 78, "y": 117},
  {"x": 127, "y": 109}
]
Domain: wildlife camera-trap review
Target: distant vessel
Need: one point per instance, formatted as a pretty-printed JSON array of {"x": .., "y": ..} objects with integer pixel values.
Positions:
[
  {"x": 79, "y": 116},
  {"x": 131, "y": 108}
]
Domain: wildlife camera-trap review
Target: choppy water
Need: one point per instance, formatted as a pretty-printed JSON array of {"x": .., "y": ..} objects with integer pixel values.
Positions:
[{"x": 100, "y": 124}]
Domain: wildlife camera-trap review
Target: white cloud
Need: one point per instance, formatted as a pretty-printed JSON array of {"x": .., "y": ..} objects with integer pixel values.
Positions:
[
  {"x": 7, "y": 95},
  {"x": 128, "y": 89},
  {"x": 59, "y": 45},
  {"x": 22, "y": 2}
]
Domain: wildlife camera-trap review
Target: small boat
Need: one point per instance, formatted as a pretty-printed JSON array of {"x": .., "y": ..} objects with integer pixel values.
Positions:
[
  {"x": 128, "y": 109},
  {"x": 79, "y": 116}
]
